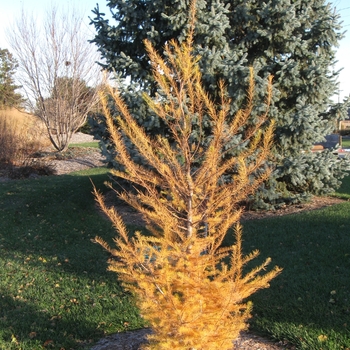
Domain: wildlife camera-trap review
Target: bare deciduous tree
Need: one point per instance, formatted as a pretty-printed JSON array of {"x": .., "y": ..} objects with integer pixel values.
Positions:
[{"x": 57, "y": 70}]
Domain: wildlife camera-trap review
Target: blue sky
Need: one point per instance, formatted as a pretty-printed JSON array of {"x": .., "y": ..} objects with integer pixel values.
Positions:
[{"x": 10, "y": 8}]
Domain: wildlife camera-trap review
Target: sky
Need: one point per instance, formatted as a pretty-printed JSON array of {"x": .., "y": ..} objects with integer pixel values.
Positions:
[
  {"x": 343, "y": 52},
  {"x": 9, "y": 9}
]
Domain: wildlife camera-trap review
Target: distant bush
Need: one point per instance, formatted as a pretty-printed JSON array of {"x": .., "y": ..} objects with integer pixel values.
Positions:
[{"x": 21, "y": 135}]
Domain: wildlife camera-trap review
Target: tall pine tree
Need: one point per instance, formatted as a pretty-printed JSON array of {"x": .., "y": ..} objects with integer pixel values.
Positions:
[
  {"x": 8, "y": 95},
  {"x": 294, "y": 40}
]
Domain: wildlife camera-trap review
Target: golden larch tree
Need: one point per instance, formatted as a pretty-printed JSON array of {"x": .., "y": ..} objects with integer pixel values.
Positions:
[{"x": 190, "y": 289}]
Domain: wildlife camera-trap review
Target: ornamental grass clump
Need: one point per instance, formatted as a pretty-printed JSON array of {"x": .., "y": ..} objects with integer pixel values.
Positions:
[{"x": 190, "y": 289}]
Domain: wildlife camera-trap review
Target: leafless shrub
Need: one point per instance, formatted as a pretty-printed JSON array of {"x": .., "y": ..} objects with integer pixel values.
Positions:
[{"x": 57, "y": 70}]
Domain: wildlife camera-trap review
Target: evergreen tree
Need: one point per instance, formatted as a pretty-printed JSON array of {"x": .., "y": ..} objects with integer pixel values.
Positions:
[
  {"x": 292, "y": 40},
  {"x": 8, "y": 95},
  {"x": 180, "y": 276}
]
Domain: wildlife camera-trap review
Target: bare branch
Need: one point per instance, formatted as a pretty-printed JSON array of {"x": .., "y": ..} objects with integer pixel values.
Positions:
[{"x": 57, "y": 70}]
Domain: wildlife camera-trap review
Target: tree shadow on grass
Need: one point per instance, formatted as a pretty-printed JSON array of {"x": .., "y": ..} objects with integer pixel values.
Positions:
[
  {"x": 21, "y": 322},
  {"x": 54, "y": 284}
]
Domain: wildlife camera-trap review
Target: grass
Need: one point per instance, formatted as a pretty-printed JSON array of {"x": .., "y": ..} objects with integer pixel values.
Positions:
[
  {"x": 55, "y": 292},
  {"x": 21, "y": 134},
  {"x": 20, "y": 117},
  {"x": 309, "y": 303},
  {"x": 345, "y": 143},
  {"x": 93, "y": 144}
]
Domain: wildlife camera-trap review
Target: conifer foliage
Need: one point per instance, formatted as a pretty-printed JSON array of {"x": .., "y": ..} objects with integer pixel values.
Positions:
[
  {"x": 294, "y": 41},
  {"x": 189, "y": 288},
  {"x": 8, "y": 95}
]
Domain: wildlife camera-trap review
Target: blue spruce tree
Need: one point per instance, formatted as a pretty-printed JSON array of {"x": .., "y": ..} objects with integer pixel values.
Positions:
[{"x": 294, "y": 40}]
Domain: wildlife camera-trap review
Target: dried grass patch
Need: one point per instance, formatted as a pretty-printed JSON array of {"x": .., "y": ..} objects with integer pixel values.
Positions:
[{"x": 21, "y": 135}]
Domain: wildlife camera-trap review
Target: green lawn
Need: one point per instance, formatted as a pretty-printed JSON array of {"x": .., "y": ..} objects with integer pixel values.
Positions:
[
  {"x": 55, "y": 291},
  {"x": 54, "y": 287},
  {"x": 345, "y": 143},
  {"x": 93, "y": 144},
  {"x": 309, "y": 303}
]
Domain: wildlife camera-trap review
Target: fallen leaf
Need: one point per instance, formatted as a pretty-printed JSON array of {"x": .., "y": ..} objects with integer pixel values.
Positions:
[
  {"x": 322, "y": 337},
  {"x": 14, "y": 339},
  {"x": 48, "y": 342}
]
